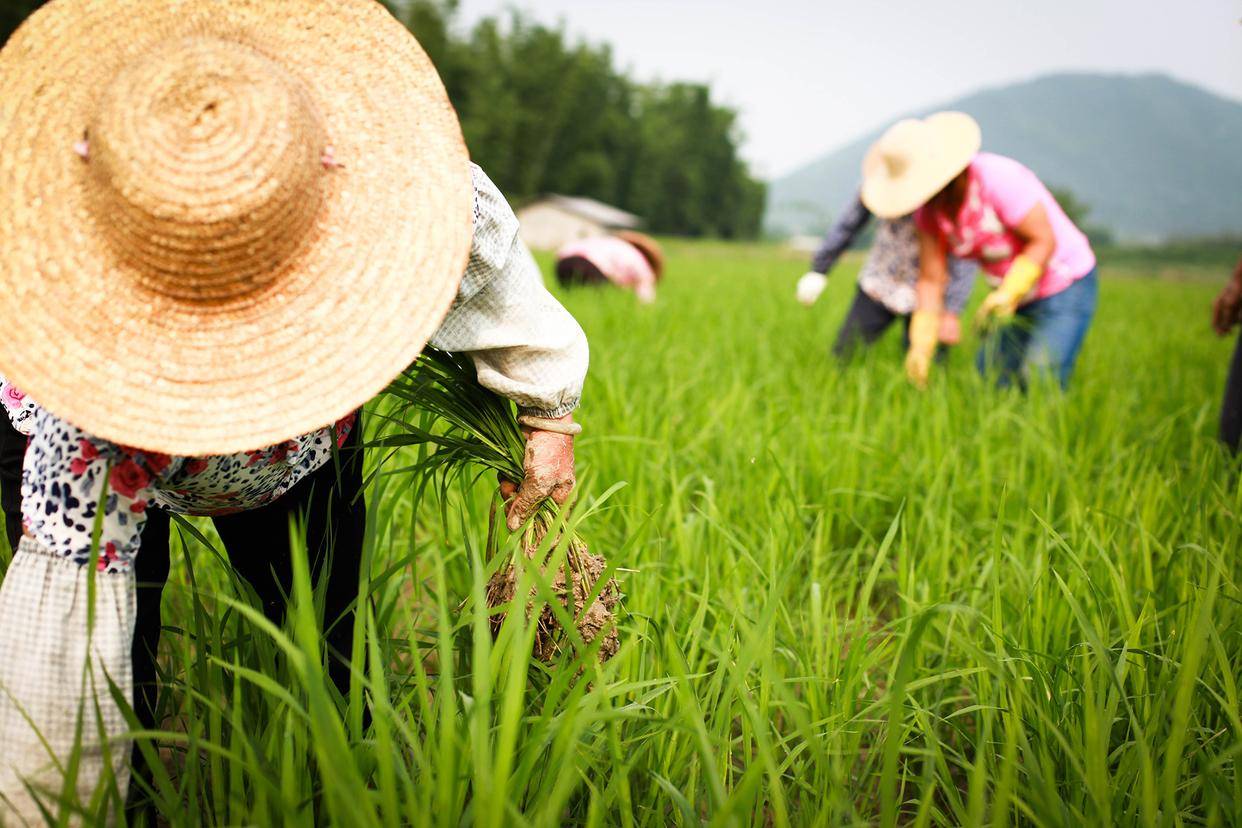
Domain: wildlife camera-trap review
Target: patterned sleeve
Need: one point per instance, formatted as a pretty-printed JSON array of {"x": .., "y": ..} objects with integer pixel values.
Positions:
[
  {"x": 20, "y": 408},
  {"x": 851, "y": 222},
  {"x": 961, "y": 283},
  {"x": 524, "y": 344}
]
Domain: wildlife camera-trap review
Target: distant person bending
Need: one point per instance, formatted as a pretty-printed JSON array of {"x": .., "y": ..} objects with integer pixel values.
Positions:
[
  {"x": 885, "y": 283},
  {"x": 630, "y": 260},
  {"x": 992, "y": 209},
  {"x": 1226, "y": 313}
]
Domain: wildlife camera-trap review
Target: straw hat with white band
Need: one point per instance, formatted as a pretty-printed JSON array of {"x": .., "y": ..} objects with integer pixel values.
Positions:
[
  {"x": 914, "y": 159},
  {"x": 267, "y": 214}
]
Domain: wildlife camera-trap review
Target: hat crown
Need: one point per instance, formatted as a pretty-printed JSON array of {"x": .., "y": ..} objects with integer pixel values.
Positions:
[
  {"x": 204, "y": 169},
  {"x": 899, "y": 144}
]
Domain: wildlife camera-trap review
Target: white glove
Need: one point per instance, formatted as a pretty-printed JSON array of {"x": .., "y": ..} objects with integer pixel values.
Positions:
[{"x": 810, "y": 287}]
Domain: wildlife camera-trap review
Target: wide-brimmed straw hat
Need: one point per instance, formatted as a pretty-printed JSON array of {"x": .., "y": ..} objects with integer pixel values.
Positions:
[
  {"x": 914, "y": 159},
  {"x": 649, "y": 247},
  {"x": 222, "y": 224}
]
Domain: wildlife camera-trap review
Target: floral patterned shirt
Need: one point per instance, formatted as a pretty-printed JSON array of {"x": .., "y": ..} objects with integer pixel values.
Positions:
[{"x": 524, "y": 344}]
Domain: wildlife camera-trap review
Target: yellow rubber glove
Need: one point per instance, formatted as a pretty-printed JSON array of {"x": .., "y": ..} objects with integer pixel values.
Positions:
[
  {"x": 924, "y": 336},
  {"x": 1002, "y": 303}
]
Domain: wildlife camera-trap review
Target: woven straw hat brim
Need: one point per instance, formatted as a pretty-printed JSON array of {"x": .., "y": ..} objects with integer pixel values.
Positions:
[
  {"x": 649, "y": 247},
  {"x": 86, "y": 337},
  {"x": 946, "y": 146}
]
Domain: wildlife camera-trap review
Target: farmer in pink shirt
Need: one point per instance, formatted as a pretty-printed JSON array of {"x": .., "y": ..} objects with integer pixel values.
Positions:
[
  {"x": 629, "y": 260},
  {"x": 992, "y": 209}
]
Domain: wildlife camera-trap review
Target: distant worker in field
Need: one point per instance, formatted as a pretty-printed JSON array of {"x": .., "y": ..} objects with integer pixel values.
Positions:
[
  {"x": 885, "y": 283},
  {"x": 993, "y": 210},
  {"x": 1226, "y": 313},
  {"x": 627, "y": 259}
]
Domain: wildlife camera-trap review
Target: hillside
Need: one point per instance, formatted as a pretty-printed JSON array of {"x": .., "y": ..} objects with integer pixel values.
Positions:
[{"x": 1154, "y": 158}]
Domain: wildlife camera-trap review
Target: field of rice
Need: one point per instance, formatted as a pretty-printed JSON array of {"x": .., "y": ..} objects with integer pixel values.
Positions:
[{"x": 846, "y": 602}]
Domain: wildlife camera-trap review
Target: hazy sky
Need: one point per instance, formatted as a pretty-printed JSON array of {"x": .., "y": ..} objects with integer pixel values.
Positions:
[{"x": 808, "y": 76}]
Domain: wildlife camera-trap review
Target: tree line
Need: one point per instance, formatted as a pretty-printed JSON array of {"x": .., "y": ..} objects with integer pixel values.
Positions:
[
  {"x": 546, "y": 114},
  {"x": 542, "y": 113}
]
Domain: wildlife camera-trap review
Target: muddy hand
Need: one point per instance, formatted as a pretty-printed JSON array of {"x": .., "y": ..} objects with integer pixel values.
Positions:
[{"x": 548, "y": 472}]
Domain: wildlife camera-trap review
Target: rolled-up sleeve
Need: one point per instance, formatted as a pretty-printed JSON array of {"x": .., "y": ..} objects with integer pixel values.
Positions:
[{"x": 524, "y": 344}]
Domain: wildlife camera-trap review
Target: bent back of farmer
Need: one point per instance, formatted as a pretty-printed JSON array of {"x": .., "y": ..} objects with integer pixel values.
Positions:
[{"x": 236, "y": 250}]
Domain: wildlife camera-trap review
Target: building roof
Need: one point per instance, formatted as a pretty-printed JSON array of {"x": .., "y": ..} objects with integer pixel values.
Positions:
[{"x": 592, "y": 210}]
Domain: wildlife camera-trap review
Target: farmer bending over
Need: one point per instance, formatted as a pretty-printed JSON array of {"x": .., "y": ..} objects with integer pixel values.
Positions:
[
  {"x": 225, "y": 228},
  {"x": 992, "y": 210},
  {"x": 885, "y": 283},
  {"x": 630, "y": 260}
]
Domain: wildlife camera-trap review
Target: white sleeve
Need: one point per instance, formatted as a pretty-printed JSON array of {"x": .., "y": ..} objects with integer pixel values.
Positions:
[{"x": 524, "y": 344}]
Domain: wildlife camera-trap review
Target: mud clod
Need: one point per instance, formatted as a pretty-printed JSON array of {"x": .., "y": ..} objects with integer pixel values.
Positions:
[{"x": 585, "y": 570}]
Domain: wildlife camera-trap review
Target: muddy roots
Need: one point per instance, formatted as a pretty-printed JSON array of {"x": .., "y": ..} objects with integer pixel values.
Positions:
[{"x": 592, "y": 621}]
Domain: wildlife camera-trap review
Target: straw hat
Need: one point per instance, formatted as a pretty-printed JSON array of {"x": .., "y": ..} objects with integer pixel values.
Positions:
[
  {"x": 914, "y": 159},
  {"x": 649, "y": 247},
  {"x": 268, "y": 217}
]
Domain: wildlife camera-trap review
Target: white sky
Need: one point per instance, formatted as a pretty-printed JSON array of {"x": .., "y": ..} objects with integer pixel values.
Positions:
[{"x": 807, "y": 76}]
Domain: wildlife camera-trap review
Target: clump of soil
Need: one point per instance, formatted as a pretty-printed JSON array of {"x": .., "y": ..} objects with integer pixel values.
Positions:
[{"x": 585, "y": 571}]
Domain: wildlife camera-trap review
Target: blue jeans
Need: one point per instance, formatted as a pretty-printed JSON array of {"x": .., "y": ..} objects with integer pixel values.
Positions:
[{"x": 1044, "y": 337}]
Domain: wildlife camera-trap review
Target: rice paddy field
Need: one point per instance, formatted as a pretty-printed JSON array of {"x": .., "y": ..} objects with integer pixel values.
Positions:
[{"x": 845, "y": 602}]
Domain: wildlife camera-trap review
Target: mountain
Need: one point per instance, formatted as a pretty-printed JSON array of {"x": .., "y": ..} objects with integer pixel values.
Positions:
[{"x": 1152, "y": 157}]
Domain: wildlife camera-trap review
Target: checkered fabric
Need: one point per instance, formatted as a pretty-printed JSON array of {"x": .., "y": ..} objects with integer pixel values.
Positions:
[
  {"x": 46, "y": 682},
  {"x": 524, "y": 344}
]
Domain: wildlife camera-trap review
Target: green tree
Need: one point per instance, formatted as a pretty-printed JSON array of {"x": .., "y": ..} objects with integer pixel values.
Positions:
[
  {"x": 1078, "y": 212},
  {"x": 1074, "y": 207}
]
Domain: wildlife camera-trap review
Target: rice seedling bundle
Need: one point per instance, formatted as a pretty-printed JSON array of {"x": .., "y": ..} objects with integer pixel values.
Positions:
[{"x": 440, "y": 404}]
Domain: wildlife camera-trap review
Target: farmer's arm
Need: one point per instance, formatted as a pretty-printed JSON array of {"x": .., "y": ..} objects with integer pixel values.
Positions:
[
  {"x": 523, "y": 343},
  {"x": 1027, "y": 268},
  {"x": 1036, "y": 231},
  {"x": 842, "y": 234},
  {"x": 45, "y": 614},
  {"x": 956, "y": 295},
  {"x": 924, "y": 331},
  {"x": 933, "y": 273},
  {"x": 1227, "y": 308}
]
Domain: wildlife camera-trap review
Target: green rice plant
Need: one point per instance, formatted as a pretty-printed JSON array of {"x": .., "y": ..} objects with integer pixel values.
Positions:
[
  {"x": 438, "y": 402},
  {"x": 855, "y": 604}
]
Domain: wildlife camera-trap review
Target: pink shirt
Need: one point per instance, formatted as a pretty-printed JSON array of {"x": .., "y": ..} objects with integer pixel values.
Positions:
[
  {"x": 1001, "y": 193},
  {"x": 620, "y": 261}
]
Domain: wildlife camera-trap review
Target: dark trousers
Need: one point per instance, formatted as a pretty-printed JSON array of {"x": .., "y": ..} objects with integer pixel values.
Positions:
[
  {"x": 329, "y": 502},
  {"x": 866, "y": 322},
  {"x": 1231, "y": 410},
  {"x": 12, "y": 451},
  {"x": 578, "y": 270}
]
